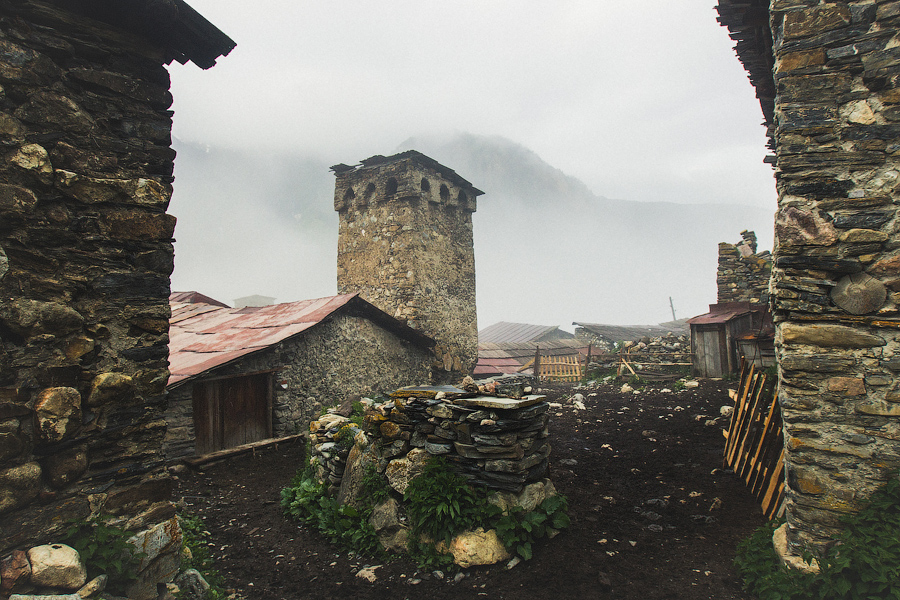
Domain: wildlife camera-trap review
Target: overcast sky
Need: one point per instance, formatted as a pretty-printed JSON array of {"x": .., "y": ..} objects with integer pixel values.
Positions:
[{"x": 641, "y": 101}]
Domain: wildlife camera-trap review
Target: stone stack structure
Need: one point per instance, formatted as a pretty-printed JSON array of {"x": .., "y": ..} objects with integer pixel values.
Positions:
[
  {"x": 828, "y": 78},
  {"x": 85, "y": 257},
  {"x": 405, "y": 244},
  {"x": 499, "y": 443},
  {"x": 743, "y": 275}
]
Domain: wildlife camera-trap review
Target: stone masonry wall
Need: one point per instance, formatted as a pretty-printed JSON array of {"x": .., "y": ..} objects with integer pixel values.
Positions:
[
  {"x": 837, "y": 254},
  {"x": 85, "y": 257},
  {"x": 405, "y": 244},
  {"x": 743, "y": 275},
  {"x": 340, "y": 359}
]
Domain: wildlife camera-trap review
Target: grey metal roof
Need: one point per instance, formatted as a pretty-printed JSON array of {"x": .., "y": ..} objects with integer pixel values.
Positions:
[{"x": 504, "y": 332}]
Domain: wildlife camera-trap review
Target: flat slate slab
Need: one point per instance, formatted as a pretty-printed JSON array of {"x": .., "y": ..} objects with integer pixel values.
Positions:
[
  {"x": 502, "y": 403},
  {"x": 426, "y": 391}
]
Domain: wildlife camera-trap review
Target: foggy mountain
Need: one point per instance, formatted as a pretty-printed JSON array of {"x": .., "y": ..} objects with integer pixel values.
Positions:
[{"x": 547, "y": 249}]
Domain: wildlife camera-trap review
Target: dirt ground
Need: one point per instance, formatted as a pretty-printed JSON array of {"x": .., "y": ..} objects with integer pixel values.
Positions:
[{"x": 654, "y": 515}]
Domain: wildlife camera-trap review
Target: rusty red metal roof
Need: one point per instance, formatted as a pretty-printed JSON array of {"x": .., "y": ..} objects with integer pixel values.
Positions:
[
  {"x": 203, "y": 337},
  {"x": 721, "y": 313}
]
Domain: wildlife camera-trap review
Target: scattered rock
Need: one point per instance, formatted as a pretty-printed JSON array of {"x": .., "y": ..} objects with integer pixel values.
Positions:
[
  {"x": 57, "y": 566},
  {"x": 369, "y": 573}
]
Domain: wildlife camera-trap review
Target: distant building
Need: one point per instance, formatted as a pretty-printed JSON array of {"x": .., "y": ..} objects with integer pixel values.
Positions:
[
  {"x": 405, "y": 245},
  {"x": 254, "y": 300}
]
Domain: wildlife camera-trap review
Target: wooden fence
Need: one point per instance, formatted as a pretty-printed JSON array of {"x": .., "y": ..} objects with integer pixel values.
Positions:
[
  {"x": 754, "y": 447},
  {"x": 556, "y": 368}
]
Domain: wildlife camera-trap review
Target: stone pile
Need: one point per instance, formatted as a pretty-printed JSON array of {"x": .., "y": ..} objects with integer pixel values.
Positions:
[
  {"x": 58, "y": 571},
  {"x": 496, "y": 442},
  {"x": 743, "y": 275},
  {"x": 331, "y": 437},
  {"x": 494, "y": 434},
  {"x": 670, "y": 348}
]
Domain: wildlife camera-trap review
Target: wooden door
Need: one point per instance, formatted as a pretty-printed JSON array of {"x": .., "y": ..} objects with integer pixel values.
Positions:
[
  {"x": 711, "y": 357},
  {"x": 231, "y": 412}
]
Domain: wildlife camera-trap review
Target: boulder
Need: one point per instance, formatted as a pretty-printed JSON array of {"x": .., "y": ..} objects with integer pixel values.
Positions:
[
  {"x": 355, "y": 470},
  {"x": 403, "y": 470},
  {"x": 14, "y": 570},
  {"x": 163, "y": 538},
  {"x": 110, "y": 387},
  {"x": 19, "y": 485},
  {"x": 93, "y": 587},
  {"x": 192, "y": 585},
  {"x": 57, "y": 566},
  {"x": 58, "y": 412},
  {"x": 478, "y": 547},
  {"x": 385, "y": 520}
]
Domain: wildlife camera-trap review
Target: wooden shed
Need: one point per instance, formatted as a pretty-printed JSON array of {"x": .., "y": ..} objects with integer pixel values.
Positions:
[{"x": 715, "y": 336}]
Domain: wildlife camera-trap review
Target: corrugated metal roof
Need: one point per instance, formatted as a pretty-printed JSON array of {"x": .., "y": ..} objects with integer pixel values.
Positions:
[
  {"x": 504, "y": 332},
  {"x": 203, "y": 337},
  {"x": 721, "y": 313}
]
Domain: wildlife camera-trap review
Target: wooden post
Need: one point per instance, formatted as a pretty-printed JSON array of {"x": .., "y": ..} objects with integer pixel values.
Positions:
[{"x": 537, "y": 365}]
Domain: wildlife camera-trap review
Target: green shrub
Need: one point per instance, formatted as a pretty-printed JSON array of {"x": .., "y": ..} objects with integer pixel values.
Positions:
[
  {"x": 864, "y": 563},
  {"x": 198, "y": 557},
  {"x": 519, "y": 530},
  {"x": 307, "y": 500},
  {"x": 440, "y": 504},
  {"x": 105, "y": 550}
]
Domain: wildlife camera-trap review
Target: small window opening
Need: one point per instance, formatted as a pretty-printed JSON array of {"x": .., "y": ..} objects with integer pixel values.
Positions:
[
  {"x": 425, "y": 185},
  {"x": 391, "y": 186},
  {"x": 445, "y": 193}
]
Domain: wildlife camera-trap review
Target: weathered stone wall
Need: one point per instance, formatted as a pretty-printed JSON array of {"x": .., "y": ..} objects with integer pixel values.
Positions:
[
  {"x": 405, "y": 244},
  {"x": 837, "y": 256},
  {"x": 342, "y": 358},
  {"x": 85, "y": 257},
  {"x": 743, "y": 275}
]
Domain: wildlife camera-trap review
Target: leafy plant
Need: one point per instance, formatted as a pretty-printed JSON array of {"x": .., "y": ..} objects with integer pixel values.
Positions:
[
  {"x": 518, "y": 530},
  {"x": 307, "y": 500},
  {"x": 105, "y": 549},
  {"x": 864, "y": 564},
  {"x": 440, "y": 504},
  {"x": 198, "y": 556}
]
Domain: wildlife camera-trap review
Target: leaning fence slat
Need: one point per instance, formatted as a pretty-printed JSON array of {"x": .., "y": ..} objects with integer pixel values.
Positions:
[{"x": 754, "y": 447}]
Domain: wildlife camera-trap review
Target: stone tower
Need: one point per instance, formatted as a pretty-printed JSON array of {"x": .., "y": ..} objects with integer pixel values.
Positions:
[{"x": 405, "y": 244}]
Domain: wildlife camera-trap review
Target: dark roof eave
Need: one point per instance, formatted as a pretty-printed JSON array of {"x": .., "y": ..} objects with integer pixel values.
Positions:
[
  {"x": 171, "y": 24},
  {"x": 748, "y": 25}
]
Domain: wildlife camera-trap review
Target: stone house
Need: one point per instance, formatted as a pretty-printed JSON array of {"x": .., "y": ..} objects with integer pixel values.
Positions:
[
  {"x": 85, "y": 255},
  {"x": 405, "y": 245},
  {"x": 828, "y": 81},
  {"x": 240, "y": 375}
]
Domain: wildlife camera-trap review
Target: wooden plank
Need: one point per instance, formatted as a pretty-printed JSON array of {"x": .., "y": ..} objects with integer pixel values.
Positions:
[
  {"x": 196, "y": 461},
  {"x": 744, "y": 426},
  {"x": 737, "y": 415},
  {"x": 754, "y": 435}
]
